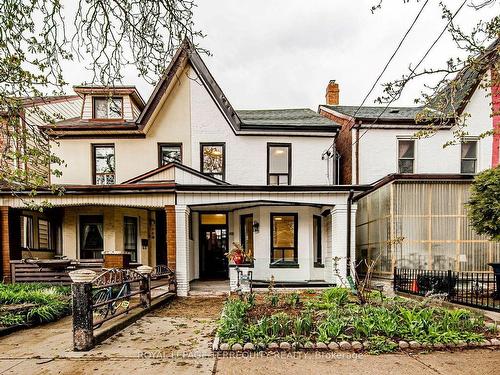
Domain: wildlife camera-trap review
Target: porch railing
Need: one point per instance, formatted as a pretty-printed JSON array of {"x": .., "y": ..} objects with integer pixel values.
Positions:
[
  {"x": 475, "y": 289},
  {"x": 114, "y": 294}
]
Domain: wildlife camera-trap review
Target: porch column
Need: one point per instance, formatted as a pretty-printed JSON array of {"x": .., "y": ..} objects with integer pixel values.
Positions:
[
  {"x": 183, "y": 260},
  {"x": 339, "y": 241},
  {"x": 5, "y": 243},
  {"x": 170, "y": 236}
]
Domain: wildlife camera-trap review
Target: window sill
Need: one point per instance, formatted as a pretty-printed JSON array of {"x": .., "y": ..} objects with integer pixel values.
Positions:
[
  {"x": 284, "y": 265},
  {"x": 318, "y": 265}
]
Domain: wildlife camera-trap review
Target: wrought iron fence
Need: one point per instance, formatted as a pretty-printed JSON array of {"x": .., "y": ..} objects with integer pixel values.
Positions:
[
  {"x": 112, "y": 294},
  {"x": 476, "y": 289}
]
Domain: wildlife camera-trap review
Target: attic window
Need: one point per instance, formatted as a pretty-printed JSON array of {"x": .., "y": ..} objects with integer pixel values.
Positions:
[{"x": 108, "y": 107}]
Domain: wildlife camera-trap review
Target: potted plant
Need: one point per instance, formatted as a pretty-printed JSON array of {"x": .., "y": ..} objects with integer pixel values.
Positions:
[{"x": 238, "y": 255}]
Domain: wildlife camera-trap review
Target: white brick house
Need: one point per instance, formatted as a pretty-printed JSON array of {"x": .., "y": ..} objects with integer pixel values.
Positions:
[{"x": 175, "y": 180}]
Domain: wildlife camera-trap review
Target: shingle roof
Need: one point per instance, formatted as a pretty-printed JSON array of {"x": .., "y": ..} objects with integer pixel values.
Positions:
[
  {"x": 298, "y": 117},
  {"x": 372, "y": 113}
]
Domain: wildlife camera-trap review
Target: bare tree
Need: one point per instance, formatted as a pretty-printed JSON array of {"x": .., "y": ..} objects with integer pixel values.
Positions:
[{"x": 35, "y": 40}]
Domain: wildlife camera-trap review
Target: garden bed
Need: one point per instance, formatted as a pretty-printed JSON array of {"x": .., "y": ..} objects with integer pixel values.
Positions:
[
  {"x": 335, "y": 320},
  {"x": 28, "y": 304}
]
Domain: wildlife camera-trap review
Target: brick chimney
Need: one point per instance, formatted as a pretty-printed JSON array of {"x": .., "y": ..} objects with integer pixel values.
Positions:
[{"x": 332, "y": 93}]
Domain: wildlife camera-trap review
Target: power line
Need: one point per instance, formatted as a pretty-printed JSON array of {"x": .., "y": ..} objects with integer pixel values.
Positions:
[
  {"x": 412, "y": 72},
  {"x": 385, "y": 67}
]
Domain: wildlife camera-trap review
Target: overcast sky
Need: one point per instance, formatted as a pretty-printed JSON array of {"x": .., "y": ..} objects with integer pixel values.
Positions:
[{"x": 282, "y": 53}]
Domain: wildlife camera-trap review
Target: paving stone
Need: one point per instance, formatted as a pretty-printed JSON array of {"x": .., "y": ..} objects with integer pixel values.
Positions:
[
  {"x": 237, "y": 347},
  {"x": 321, "y": 346},
  {"x": 403, "y": 345},
  {"x": 414, "y": 345},
  {"x": 273, "y": 345},
  {"x": 356, "y": 345},
  {"x": 344, "y": 345},
  {"x": 485, "y": 343},
  {"x": 333, "y": 346},
  {"x": 248, "y": 346},
  {"x": 461, "y": 344},
  {"x": 285, "y": 345}
]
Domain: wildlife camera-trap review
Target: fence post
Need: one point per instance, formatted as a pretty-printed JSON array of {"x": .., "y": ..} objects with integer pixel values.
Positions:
[
  {"x": 394, "y": 274},
  {"x": 448, "y": 277},
  {"x": 145, "y": 287},
  {"x": 83, "y": 330}
]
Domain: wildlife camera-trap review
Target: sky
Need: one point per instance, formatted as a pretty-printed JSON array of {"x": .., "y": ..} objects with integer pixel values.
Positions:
[{"x": 282, "y": 53}]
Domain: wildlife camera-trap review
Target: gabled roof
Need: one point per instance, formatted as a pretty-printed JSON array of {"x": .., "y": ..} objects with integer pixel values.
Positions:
[{"x": 169, "y": 173}]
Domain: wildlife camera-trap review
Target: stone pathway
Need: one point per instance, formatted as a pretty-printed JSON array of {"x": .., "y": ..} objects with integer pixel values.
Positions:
[{"x": 176, "y": 339}]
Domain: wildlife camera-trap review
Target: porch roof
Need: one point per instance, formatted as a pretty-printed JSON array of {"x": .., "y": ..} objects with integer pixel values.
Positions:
[{"x": 247, "y": 204}]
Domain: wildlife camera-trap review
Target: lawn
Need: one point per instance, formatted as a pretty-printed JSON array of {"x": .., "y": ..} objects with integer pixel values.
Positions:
[
  {"x": 32, "y": 303},
  {"x": 336, "y": 315}
]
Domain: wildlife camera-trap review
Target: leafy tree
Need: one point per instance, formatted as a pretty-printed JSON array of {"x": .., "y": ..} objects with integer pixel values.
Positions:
[
  {"x": 483, "y": 208},
  {"x": 36, "y": 39},
  {"x": 441, "y": 101}
]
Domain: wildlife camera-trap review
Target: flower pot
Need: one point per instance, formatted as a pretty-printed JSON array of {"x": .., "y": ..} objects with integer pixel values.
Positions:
[
  {"x": 82, "y": 276},
  {"x": 238, "y": 258}
]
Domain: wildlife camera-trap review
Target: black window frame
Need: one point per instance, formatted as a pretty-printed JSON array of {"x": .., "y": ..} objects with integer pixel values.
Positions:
[
  {"x": 94, "y": 161},
  {"x": 214, "y": 144},
  {"x": 462, "y": 159},
  {"x": 289, "y": 174},
  {"x": 412, "y": 159},
  {"x": 136, "y": 251},
  {"x": 285, "y": 264},
  {"x": 162, "y": 144},
  {"x": 80, "y": 239},
  {"x": 100, "y": 97},
  {"x": 318, "y": 251}
]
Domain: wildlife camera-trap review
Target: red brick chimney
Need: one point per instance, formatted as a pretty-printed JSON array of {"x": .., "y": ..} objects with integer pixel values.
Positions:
[{"x": 332, "y": 93}]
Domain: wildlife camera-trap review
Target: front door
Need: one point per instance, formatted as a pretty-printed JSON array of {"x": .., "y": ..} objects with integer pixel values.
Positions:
[{"x": 213, "y": 246}]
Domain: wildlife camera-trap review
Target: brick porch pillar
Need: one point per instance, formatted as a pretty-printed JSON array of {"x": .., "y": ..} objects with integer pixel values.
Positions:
[
  {"x": 171, "y": 237},
  {"x": 5, "y": 243}
]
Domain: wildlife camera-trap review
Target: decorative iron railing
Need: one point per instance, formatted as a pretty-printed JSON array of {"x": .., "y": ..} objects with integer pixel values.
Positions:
[
  {"x": 475, "y": 289},
  {"x": 112, "y": 294}
]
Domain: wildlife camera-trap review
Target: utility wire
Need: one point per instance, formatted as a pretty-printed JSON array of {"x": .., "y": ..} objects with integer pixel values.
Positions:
[
  {"x": 412, "y": 72},
  {"x": 385, "y": 67}
]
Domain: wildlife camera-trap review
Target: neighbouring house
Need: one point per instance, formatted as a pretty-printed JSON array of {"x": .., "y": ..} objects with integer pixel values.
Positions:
[
  {"x": 414, "y": 214},
  {"x": 179, "y": 178}
]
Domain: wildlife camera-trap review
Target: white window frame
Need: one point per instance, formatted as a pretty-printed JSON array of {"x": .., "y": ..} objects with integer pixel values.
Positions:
[{"x": 415, "y": 151}]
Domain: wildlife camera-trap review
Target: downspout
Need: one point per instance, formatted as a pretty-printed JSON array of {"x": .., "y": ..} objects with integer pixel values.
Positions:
[
  {"x": 349, "y": 224},
  {"x": 357, "y": 152}
]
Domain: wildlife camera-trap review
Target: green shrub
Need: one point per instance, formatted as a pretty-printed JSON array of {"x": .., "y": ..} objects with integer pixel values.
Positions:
[{"x": 338, "y": 296}]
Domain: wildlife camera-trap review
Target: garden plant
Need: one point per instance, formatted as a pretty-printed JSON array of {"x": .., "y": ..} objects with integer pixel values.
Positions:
[{"x": 336, "y": 315}]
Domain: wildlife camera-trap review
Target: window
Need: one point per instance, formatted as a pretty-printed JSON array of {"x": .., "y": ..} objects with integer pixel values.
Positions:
[
  {"x": 279, "y": 158},
  {"x": 26, "y": 232},
  {"x": 169, "y": 153},
  {"x": 44, "y": 237},
  {"x": 246, "y": 233},
  {"x": 284, "y": 240},
  {"x": 318, "y": 256},
  {"x": 108, "y": 108},
  {"x": 213, "y": 159},
  {"x": 468, "y": 159},
  {"x": 104, "y": 164},
  {"x": 91, "y": 236},
  {"x": 130, "y": 237},
  {"x": 406, "y": 156}
]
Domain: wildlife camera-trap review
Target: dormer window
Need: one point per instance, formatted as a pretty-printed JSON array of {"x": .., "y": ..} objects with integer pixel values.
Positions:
[{"x": 108, "y": 107}]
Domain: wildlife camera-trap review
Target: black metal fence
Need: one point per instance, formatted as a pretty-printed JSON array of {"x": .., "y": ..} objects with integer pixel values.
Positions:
[
  {"x": 474, "y": 289},
  {"x": 112, "y": 294}
]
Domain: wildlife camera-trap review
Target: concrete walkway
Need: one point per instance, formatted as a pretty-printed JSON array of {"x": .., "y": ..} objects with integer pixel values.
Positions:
[{"x": 176, "y": 339}]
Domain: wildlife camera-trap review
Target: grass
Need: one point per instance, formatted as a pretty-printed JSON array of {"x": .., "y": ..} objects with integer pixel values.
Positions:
[
  {"x": 32, "y": 303},
  {"x": 335, "y": 315}
]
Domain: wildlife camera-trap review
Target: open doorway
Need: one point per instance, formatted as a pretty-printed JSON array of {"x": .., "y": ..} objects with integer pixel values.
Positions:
[{"x": 213, "y": 246}]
